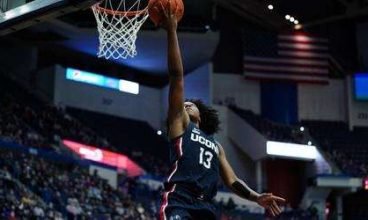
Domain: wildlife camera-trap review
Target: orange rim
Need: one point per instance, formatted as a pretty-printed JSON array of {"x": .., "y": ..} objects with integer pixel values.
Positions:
[{"x": 120, "y": 13}]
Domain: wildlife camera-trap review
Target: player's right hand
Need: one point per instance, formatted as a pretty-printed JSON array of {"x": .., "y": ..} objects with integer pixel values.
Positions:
[
  {"x": 169, "y": 21},
  {"x": 270, "y": 202}
]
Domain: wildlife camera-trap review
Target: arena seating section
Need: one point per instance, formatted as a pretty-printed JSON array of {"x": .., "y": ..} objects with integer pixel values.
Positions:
[
  {"x": 28, "y": 121},
  {"x": 66, "y": 190},
  {"x": 273, "y": 131},
  {"x": 135, "y": 138},
  {"x": 349, "y": 149}
]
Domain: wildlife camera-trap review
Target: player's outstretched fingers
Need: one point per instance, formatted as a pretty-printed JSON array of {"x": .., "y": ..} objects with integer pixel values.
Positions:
[
  {"x": 164, "y": 10},
  {"x": 278, "y": 199},
  {"x": 176, "y": 8},
  {"x": 168, "y": 7},
  {"x": 271, "y": 211},
  {"x": 277, "y": 207}
]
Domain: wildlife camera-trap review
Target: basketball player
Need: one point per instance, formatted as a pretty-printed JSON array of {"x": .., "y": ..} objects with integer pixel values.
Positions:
[{"x": 198, "y": 159}]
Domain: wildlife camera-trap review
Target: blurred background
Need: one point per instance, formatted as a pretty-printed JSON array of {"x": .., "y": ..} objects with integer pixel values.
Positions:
[{"x": 82, "y": 137}]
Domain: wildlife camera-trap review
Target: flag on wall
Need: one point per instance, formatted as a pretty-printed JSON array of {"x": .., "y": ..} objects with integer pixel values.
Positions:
[{"x": 282, "y": 57}]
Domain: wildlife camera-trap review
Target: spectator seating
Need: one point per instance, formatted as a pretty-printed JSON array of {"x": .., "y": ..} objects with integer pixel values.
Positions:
[
  {"x": 135, "y": 138},
  {"x": 29, "y": 121},
  {"x": 271, "y": 130},
  {"x": 348, "y": 148},
  {"x": 69, "y": 189}
]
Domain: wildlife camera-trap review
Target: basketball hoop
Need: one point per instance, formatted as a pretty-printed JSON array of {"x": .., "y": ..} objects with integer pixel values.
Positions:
[{"x": 118, "y": 24}]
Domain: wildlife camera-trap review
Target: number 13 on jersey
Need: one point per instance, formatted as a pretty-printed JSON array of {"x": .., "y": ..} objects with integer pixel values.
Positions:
[{"x": 205, "y": 158}]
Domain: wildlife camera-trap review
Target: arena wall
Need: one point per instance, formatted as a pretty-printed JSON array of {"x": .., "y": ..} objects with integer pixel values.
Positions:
[
  {"x": 144, "y": 106},
  {"x": 235, "y": 89},
  {"x": 358, "y": 110},
  {"x": 362, "y": 43},
  {"x": 323, "y": 102}
]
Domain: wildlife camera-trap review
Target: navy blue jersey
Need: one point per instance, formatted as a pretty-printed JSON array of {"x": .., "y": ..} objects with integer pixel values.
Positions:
[{"x": 195, "y": 162}]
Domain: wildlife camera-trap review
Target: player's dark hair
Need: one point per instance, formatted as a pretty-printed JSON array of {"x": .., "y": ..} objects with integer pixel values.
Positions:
[{"x": 210, "y": 122}]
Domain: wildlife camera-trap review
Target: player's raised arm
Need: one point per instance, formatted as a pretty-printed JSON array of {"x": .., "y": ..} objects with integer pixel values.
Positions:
[
  {"x": 178, "y": 119},
  {"x": 239, "y": 187}
]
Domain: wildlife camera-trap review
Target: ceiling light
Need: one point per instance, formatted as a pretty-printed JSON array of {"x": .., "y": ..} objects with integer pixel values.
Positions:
[
  {"x": 270, "y": 7},
  {"x": 287, "y": 17},
  {"x": 296, "y": 22},
  {"x": 292, "y": 19}
]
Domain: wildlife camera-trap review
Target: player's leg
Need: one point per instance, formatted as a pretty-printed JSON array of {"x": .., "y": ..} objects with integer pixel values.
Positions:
[
  {"x": 175, "y": 213},
  {"x": 175, "y": 204}
]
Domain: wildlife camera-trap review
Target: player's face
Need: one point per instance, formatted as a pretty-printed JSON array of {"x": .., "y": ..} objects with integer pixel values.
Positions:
[{"x": 192, "y": 110}]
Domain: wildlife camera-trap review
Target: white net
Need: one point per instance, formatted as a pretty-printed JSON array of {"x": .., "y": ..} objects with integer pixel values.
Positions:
[{"x": 118, "y": 26}]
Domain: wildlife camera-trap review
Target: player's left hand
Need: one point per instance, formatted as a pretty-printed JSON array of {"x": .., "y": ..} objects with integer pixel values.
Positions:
[{"x": 269, "y": 202}]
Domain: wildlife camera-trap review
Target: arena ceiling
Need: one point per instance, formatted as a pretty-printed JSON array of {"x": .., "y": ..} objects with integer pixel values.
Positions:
[
  {"x": 199, "y": 37},
  {"x": 311, "y": 13}
]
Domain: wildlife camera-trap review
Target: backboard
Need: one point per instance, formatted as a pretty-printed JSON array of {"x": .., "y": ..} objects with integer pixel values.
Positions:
[{"x": 19, "y": 14}]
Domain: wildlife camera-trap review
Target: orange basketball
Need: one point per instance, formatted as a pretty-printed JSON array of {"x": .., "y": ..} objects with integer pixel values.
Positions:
[{"x": 155, "y": 9}]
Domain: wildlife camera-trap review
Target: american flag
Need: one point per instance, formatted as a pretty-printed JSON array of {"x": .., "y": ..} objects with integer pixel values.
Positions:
[{"x": 282, "y": 57}]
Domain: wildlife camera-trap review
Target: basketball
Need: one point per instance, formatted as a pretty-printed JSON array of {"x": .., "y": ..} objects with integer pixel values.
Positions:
[{"x": 155, "y": 10}]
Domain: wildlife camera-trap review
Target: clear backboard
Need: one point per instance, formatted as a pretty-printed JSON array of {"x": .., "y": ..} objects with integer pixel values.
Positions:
[{"x": 18, "y": 14}]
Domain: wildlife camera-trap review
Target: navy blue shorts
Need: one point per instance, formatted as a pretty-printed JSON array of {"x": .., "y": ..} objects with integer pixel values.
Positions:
[{"x": 178, "y": 204}]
